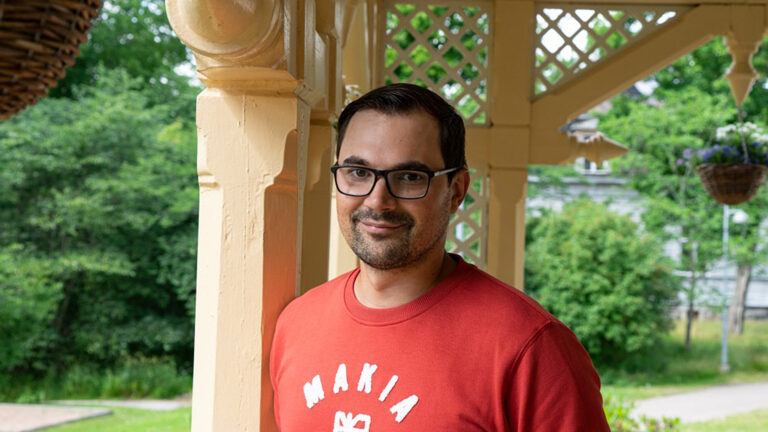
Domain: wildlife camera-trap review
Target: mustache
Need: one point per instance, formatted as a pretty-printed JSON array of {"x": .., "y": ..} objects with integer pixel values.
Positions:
[{"x": 388, "y": 217}]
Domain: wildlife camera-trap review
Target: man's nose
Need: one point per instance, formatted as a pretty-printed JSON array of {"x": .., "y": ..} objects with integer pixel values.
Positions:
[{"x": 380, "y": 199}]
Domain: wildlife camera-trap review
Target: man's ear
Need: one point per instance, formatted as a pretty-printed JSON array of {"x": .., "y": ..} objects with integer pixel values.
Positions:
[{"x": 459, "y": 187}]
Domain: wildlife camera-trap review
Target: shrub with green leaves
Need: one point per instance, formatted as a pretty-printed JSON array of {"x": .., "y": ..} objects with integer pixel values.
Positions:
[
  {"x": 28, "y": 303},
  {"x": 620, "y": 418},
  {"x": 604, "y": 278}
]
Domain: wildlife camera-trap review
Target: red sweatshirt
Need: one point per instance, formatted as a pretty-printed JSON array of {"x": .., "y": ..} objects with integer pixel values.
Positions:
[{"x": 472, "y": 354}]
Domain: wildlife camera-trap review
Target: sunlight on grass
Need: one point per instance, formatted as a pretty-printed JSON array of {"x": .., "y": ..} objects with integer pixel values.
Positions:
[
  {"x": 672, "y": 369},
  {"x": 754, "y": 421},
  {"x": 132, "y": 420}
]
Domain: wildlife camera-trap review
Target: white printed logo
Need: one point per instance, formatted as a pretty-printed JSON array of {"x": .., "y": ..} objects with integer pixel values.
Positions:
[{"x": 347, "y": 423}]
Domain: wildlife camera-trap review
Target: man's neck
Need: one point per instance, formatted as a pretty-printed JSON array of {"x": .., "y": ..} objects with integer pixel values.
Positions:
[{"x": 384, "y": 289}]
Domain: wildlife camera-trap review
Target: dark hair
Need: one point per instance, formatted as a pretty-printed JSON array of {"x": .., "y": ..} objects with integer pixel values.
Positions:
[{"x": 406, "y": 98}]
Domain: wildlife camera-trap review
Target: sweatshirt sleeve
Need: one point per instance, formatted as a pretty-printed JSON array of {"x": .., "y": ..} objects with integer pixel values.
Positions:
[{"x": 553, "y": 386}]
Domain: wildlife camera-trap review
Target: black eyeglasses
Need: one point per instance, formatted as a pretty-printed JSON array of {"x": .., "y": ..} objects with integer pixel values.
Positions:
[{"x": 359, "y": 181}]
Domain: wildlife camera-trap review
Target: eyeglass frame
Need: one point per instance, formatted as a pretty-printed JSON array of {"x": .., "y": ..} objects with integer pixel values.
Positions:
[{"x": 385, "y": 174}]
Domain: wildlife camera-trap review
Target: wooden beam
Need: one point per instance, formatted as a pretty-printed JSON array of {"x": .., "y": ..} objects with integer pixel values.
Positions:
[{"x": 608, "y": 78}]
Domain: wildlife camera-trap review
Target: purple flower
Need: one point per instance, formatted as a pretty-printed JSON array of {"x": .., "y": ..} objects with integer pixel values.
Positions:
[
  {"x": 680, "y": 162},
  {"x": 687, "y": 153}
]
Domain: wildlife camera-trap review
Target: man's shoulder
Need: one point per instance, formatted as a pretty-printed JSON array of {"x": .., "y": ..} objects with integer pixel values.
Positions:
[{"x": 498, "y": 300}]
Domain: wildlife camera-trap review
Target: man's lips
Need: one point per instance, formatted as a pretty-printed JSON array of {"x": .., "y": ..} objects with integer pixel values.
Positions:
[{"x": 374, "y": 227}]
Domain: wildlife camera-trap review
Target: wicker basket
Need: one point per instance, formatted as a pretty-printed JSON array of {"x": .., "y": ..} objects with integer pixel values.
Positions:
[
  {"x": 732, "y": 184},
  {"x": 38, "y": 40}
]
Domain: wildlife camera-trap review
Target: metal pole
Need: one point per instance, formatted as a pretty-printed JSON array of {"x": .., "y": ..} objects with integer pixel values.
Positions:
[
  {"x": 724, "y": 366},
  {"x": 726, "y": 216}
]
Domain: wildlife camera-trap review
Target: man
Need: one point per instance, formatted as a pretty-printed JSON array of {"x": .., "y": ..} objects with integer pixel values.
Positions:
[{"x": 417, "y": 339}]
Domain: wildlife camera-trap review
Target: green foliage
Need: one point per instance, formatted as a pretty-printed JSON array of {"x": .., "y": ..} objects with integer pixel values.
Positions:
[
  {"x": 602, "y": 277},
  {"x": 705, "y": 68},
  {"x": 133, "y": 377},
  {"x": 671, "y": 368},
  {"x": 29, "y": 298},
  {"x": 677, "y": 206},
  {"x": 692, "y": 100},
  {"x": 618, "y": 413},
  {"x": 100, "y": 206},
  {"x": 135, "y": 36},
  {"x": 98, "y": 218},
  {"x": 139, "y": 378}
]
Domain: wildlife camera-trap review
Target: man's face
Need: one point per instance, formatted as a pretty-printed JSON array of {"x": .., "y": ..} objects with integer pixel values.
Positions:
[{"x": 383, "y": 231}]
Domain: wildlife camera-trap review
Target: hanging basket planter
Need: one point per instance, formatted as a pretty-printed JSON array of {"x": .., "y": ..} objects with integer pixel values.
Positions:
[
  {"x": 39, "y": 39},
  {"x": 732, "y": 184}
]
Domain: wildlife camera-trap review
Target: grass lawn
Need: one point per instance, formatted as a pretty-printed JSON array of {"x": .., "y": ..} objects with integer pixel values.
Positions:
[
  {"x": 132, "y": 420},
  {"x": 754, "y": 421},
  {"x": 699, "y": 367}
]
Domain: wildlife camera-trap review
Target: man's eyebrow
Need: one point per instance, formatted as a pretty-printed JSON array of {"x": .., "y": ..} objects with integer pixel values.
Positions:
[
  {"x": 354, "y": 160},
  {"x": 414, "y": 164}
]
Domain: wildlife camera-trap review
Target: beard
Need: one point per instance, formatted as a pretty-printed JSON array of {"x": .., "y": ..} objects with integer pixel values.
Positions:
[{"x": 388, "y": 252}]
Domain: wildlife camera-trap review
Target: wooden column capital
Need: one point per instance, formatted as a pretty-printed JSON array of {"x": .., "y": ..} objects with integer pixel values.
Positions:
[{"x": 230, "y": 32}]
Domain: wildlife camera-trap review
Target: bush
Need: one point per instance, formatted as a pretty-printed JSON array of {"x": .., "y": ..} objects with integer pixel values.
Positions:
[
  {"x": 620, "y": 419},
  {"x": 134, "y": 378},
  {"x": 139, "y": 378},
  {"x": 602, "y": 277},
  {"x": 28, "y": 304}
]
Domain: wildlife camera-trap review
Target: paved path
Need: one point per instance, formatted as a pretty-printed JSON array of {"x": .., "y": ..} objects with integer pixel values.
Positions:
[
  {"x": 147, "y": 404},
  {"x": 706, "y": 404},
  {"x": 28, "y": 418}
]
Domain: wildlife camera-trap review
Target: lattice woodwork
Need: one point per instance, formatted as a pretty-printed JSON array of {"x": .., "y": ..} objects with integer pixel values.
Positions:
[
  {"x": 468, "y": 230},
  {"x": 572, "y": 38},
  {"x": 445, "y": 47}
]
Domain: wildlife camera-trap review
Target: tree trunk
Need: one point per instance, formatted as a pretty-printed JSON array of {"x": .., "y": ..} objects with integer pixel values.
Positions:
[
  {"x": 738, "y": 301},
  {"x": 688, "y": 323},
  {"x": 694, "y": 259},
  {"x": 690, "y": 312}
]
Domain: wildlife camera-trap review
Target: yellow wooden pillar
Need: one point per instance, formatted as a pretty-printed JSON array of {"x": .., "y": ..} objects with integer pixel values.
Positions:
[
  {"x": 247, "y": 250},
  {"x": 253, "y": 125},
  {"x": 509, "y": 144},
  {"x": 316, "y": 223}
]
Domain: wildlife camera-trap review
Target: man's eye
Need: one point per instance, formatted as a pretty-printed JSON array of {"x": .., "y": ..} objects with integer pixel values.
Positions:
[
  {"x": 410, "y": 177},
  {"x": 358, "y": 173}
]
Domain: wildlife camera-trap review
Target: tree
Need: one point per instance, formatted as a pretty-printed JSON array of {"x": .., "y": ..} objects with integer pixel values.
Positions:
[
  {"x": 677, "y": 204},
  {"x": 603, "y": 277},
  {"x": 28, "y": 301},
  {"x": 747, "y": 250},
  {"x": 99, "y": 211},
  {"x": 699, "y": 71},
  {"x": 135, "y": 36}
]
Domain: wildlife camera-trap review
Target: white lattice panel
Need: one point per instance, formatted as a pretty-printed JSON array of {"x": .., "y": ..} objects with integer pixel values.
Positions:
[
  {"x": 468, "y": 230},
  {"x": 443, "y": 46},
  {"x": 572, "y": 38}
]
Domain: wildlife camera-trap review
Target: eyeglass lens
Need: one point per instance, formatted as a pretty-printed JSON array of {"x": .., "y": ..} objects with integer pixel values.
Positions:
[{"x": 402, "y": 183}]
